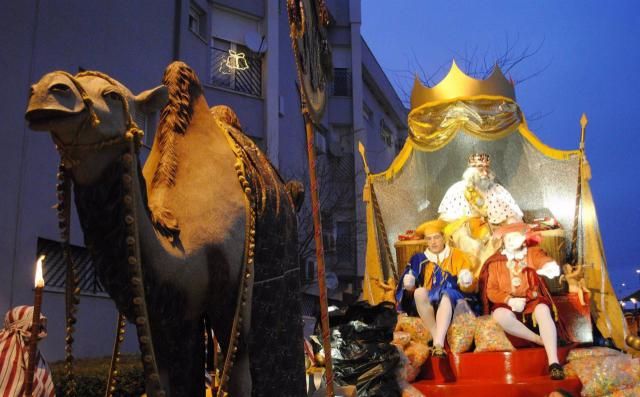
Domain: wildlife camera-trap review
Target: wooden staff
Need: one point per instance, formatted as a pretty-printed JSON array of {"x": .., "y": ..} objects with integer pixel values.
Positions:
[
  {"x": 35, "y": 328},
  {"x": 317, "y": 228}
]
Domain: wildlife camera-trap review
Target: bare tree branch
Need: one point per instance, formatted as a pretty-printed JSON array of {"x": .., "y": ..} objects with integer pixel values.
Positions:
[{"x": 477, "y": 64}]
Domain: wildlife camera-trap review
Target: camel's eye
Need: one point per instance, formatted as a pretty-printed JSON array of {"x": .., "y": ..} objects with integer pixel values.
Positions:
[
  {"x": 59, "y": 88},
  {"x": 113, "y": 95}
]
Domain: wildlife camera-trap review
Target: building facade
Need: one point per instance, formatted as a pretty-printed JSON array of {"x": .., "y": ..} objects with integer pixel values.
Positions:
[{"x": 133, "y": 42}]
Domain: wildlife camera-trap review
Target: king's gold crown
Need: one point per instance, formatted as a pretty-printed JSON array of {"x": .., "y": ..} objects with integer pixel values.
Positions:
[
  {"x": 479, "y": 160},
  {"x": 457, "y": 84}
]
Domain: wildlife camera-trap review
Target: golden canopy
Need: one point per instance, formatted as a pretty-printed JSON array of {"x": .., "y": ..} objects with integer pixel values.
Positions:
[{"x": 448, "y": 122}]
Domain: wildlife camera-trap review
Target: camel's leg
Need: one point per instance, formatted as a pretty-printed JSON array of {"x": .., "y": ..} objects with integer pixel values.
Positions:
[
  {"x": 240, "y": 383},
  {"x": 180, "y": 354}
]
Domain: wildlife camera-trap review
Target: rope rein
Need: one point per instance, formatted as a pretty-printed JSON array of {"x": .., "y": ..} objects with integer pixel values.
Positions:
[
  {"x": 247, "y": 263},
  {"x": 132, "y": 138}
]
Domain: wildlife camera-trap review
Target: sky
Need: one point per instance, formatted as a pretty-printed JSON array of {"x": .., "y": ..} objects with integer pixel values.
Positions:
[{"x": 584, "y": 57}]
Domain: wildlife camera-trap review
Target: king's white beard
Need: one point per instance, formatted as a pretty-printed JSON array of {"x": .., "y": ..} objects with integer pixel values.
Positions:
[{"x": 483, "y": 183}]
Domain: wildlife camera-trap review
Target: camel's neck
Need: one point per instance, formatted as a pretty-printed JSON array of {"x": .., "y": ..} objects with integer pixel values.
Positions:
[{"x": 102, "y": 211}]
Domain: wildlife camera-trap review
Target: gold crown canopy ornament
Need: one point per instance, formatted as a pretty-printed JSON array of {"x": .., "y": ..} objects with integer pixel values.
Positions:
[
  {"x": 457, "y": 84},
  {"x": 479, "y": 160}
]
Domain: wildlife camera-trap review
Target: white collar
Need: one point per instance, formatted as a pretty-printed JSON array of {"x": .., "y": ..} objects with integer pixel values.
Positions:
[
  {"x": 518, "y": 255},
  {"x": 438, "y": 258}
]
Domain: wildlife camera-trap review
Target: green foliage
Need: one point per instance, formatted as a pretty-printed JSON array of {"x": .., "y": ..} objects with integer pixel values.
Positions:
[{"x": 91, "y": 376}]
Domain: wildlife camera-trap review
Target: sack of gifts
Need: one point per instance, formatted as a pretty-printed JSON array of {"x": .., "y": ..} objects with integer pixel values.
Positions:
[
  {"x": 462, "y": 329},
  {"x": 414, "y": 327},
  {"x": 603, "y": 375},
  {"x": 490, "y": 337}
]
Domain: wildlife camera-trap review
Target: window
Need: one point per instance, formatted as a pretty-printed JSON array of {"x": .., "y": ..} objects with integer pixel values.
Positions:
[
  {"x": 344, "y": 245},
  {"x": 147, "y": 123},
  {"x": 235, "y": 67},
  {"x": 367, "y": 114},
  {"x": 197, "y": 20},
  {"x": 55, "y": 268},
  {"x": 385, "y": 133},
  {"x": 341, "y": 82}
]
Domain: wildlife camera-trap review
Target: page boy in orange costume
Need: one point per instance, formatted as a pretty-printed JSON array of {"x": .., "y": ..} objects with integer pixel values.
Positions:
[{"x": 513, "y": 291}]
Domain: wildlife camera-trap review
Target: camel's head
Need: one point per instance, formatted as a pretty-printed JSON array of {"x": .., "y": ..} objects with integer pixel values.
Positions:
[{"x": 87, "y": 114}]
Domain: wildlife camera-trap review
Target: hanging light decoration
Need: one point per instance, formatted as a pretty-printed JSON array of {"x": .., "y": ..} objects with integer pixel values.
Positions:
[{"x": 234, "y": 61}]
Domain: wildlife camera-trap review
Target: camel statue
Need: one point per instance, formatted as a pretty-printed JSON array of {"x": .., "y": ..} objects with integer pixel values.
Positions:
[{"x": 209, "y": 221}]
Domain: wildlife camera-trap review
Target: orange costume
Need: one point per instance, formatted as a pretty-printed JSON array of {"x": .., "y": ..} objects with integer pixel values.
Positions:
[
  {"x": 497, "y": 285},
  {"x": 519, "y": 282}
]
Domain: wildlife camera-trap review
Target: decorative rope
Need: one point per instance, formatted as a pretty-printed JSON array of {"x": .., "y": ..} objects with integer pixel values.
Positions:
[
  {"x": 133, "y": 138},
  {"x": 71, "y": 290},
  {"x": 145, "y": 341},
  {"x": 248, "y": 261},
  {"x": 115, "y": 357}
]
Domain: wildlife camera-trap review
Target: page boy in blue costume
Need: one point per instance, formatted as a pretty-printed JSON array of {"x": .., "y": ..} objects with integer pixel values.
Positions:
[{"x": 432, "y": 281}]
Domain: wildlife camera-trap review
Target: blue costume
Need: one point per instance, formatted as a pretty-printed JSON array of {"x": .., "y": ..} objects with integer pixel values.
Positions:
[{"x": 440, "y": 279}]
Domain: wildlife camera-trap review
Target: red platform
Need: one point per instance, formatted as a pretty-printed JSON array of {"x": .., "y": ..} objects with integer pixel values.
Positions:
[{"x": 522, "y": 373}]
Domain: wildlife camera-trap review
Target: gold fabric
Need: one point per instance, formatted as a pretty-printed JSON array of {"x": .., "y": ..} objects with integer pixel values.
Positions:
[
  {"x": 433, "y": 125},
  {"x": 372, "y": 290},
  {"x": 605, "y": 306}
]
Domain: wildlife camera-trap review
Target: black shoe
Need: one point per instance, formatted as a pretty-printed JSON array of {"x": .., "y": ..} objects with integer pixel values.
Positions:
[
  {"x": 556, "y": 372},
  {"x": 438, "y": 352}
]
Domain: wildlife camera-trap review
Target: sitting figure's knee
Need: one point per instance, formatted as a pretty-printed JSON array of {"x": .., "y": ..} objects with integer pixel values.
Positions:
[
  {"x": 501, "y": 314},
  {"x": 421, "y": 295},
  {"x": 542, "y": 308}
]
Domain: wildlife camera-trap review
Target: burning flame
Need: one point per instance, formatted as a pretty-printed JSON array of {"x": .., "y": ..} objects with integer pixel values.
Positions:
[{"x": 39, "y": 280}]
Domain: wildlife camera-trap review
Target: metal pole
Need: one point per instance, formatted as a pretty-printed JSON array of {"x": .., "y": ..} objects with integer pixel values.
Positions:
[{"x": 576, "y": 219}]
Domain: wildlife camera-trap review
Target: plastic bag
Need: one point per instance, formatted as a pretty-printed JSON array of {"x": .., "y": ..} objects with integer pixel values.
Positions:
[
  {"x": 401, "y": 339},
  {"x": 597, "y": 351},
  {"x": 569, "y": 371},
  {"x": 414, "y": 327},
  {"x": 462, "y": 328},
  {"x": 417, "y": 353},
  {"x": 630, "y": 392},
  {"x": 410, "y": 391},
  {"x": 490, "y": 337},
  {"x": 361, "y": 349},
  {"x": 604, "y": 375},
  {"x": 406, "y": 372}
]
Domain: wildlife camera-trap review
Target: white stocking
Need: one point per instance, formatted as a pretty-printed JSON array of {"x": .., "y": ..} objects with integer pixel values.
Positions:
[
  {"x": 425, "y": 310},
  {"x": 443, "y": 319},
  {"x": 547, "y": 332},
  {"x": 510, "y": 324}
]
